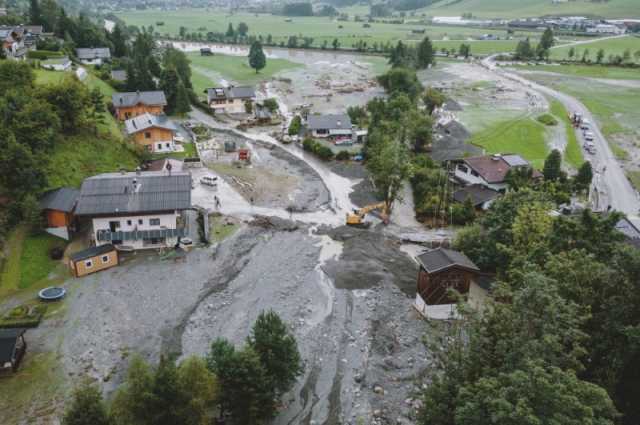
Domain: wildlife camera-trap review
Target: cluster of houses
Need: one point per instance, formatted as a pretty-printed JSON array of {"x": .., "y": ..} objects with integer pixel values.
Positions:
[
  {"x": 17, "y": 40},
  {"x": 575, "y": 24}
]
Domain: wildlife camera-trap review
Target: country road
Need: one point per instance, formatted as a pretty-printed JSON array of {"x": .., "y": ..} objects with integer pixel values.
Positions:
[
  {"x": 593, "y": 40},
  {"x": 610, "y": 186}
]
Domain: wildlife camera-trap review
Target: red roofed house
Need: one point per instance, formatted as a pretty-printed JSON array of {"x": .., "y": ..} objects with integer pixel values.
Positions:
[{"x": 489, "y": 170}]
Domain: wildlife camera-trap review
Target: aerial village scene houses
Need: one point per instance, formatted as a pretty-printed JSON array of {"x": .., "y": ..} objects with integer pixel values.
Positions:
[{"x": 299, "y": 201}]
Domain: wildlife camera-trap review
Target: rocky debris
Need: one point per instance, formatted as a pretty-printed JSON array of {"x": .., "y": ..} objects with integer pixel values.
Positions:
[{"x": 275, "y": 223}]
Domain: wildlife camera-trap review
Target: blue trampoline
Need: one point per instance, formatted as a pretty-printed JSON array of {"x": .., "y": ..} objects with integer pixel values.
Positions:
[{"x": 52, "y": 293}]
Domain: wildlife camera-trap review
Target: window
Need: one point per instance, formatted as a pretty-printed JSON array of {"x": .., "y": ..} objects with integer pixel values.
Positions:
[
  {"x": 129, "y": 223},
  {"x": 154, "y": 222},
  {"x": 160, "y": 146},
  {"x": 114, "y": 226},
  {"x": 474, "y": 173},
  {"x": 463, "y": 169},
  {"x": 168, "y": 145},
  {"x": 88, "y": 264},
  {"x": 105, "y": 259},
  {"x": 140, "y": 221},
  {"x": 147, "y": 135}
]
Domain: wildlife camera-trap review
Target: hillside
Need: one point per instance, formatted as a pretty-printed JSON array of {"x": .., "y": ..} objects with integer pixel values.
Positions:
[{"x": 533, "y": 8}]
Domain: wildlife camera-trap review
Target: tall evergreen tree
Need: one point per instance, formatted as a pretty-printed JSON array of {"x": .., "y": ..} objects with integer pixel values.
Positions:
[
  {"x": 552, "y": 166},
  {"x": 86, "y": 408},
  {"x": 119, "y": 42},
  {"x": 35, "y": 15},
  {"x": 183, "y": 105},
  {"x": 425, "y": 54},
  {"x": 584, "y": 176},
  {"x": 230, "y": 31},
  {"x": 169, "y": 85},
  {"x": 277, "y": 349},
  {"x": 257, "y": 58}
]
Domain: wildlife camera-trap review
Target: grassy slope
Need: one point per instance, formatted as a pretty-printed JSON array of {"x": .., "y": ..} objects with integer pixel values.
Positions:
[
  {"x": 615, "y": 46},
  {"x": 523, "y": 136},
  {"x": 588, "y": 71},
  {"x": 573, "y": 153},
  {"x": 531, "y": 8}
]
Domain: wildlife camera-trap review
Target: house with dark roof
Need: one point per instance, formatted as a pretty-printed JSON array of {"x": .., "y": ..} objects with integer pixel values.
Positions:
[
  {"x": 94, "y": 56},
  {"x": 93, "y": 260},
  {"x": 12, "y": 348},
  {"x": 58, "y": 206},
  {"x": 444, "y": 276},
  {"x": 481, "y": 196},
  {"x": 489, "y": 170},
  {"x": 154, "y": 133},
  {"x": 232, "y": 99},
  {"x": 131, "y": 104},
  {"x": 136, "y": 210},
  {"x": 329, "y": 125}
]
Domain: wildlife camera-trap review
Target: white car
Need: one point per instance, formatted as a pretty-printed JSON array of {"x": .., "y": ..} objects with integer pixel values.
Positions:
[
  {"x": 588, "y": 136},
  {"x": 178, "y": 138},
  {"x": 209, "y": 181}
]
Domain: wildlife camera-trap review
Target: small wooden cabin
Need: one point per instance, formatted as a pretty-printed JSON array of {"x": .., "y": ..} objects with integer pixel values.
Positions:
[
  {"x": 58, "y": 206},
  {"x": 443, "y": 272},
  {"x": 93, "y": 260},
  {"x": 12, "y": 349}
]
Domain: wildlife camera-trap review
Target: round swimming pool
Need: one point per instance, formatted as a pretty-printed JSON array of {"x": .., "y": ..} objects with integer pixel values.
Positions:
[{"x": 52, "y": 293}]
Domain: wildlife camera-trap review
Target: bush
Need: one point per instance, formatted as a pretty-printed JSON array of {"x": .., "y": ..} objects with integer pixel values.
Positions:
[
  {"x": 24, "y": 316},
  {"x": 43, "y": 54},
  {"x": 547, "y": 119},
  {"x": 271, "y": 104},
  {"x": 323, "y": 152},
  {"x": 294, "y": 127},
  {"x": 56, "y": 253},
  {"x": 343, "y": 156},
  {"x": 308, "y": 144}
]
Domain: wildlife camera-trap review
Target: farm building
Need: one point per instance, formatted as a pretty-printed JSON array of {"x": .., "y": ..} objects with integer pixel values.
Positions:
[
  {"x": 136, "y": 210},
  {"x": 443, "y": 273},
  {"x": 12, "y": 348},
  {"x": 58, "y": 206},
  {"x": 132, "y": 104},
  {"x": 93, "y": 260}
]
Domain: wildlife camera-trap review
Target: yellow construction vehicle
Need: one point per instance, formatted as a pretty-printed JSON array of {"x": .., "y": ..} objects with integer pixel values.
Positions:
[{"x": 356, "y": 218}]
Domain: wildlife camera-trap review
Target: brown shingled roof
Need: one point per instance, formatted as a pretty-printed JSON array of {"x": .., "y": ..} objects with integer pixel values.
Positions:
[{"x": 492, "y": 168}]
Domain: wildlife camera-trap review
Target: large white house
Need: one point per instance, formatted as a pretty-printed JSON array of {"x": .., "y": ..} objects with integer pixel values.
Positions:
[
  {"x": 136, "y": 210},
  {"x": 93, "y": 56},
  {"x": 231, "y": 100}
]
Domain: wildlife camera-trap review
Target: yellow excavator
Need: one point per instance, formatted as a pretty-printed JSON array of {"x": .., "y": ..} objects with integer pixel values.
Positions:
[{"x": 356, "y": 218}]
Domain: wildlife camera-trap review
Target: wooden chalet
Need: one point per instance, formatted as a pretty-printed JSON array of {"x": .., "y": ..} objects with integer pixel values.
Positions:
[
  {"x": 93, "y": 260},
  {"x": 58, "y": 206},
  {"x": 132, "y": 104},
  {"x": 445, "y": 275}
]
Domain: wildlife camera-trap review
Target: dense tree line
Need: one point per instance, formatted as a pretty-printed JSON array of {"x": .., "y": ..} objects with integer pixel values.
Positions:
[
  {"x": 33, "y": 119},
  {"x": 244, "y": 384},
  {"x": 559, "y": 342}
]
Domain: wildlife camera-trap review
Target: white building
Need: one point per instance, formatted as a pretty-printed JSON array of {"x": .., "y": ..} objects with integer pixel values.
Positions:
[
  {"x": 57, "y": 64},
  {"x": 489, "y": 170},
  {"x": 607, "y": 29},
  {"x": 136, "y": 210},
  {"x": 231, "y": 100},
  {"x": 93, "y": 56}
]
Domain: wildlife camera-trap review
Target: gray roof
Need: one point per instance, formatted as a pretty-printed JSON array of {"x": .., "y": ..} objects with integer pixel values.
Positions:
[
  {"x": 91, "y": 252},
  {"x": 137, "y": 97},
  {"x": 240, "y": 92},
  {"x": 333, "y": 122},
  {"x": 8, "y": 341},
  {"x": 515, "y": 160},
  {"x": 440, "y": 259},
  {"x": 131, "y": 193},
  {"x": 62, "y": 199},
  {"x": 93, "y": 53},
  {"x": 628, "y": 228},
  {"x": 145, "y": 121},
  {"x": 478, "y": 193},
  {"x": 119, "y": 75}
]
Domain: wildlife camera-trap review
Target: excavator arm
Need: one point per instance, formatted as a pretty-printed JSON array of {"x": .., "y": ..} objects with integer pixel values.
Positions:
[{"x": 357, "y": 217}]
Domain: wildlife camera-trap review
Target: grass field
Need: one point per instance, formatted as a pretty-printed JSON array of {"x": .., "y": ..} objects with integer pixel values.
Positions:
[
  {"x": 532, "y": 8},
  {"x": 588, "y": 71},
  {"x": 573, "y": 152},
  {"x": 319, "y": 28},
  {"x": 634, "y": 178},
  {"x": 615, "y": 46},
  {"x": 523, "y": 136},
  {"x": 207, "y": 70}
]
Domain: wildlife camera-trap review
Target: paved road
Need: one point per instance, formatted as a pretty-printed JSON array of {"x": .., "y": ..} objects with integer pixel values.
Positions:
[
  {"x": 593, "y": 40},
  {"x": 612, "y": 188}
]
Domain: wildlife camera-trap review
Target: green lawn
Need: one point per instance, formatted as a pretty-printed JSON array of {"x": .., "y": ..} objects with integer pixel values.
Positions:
[
  {"x": 321, "y": 29},
  {"x": 44, "y": 76},
  {"x": 589, "y": 71},
  {"x": 634, "y": 178},
  {"x": 532, "y": 8},
  {"x": 522, "y": 136},
  {"x": 234, "y": 68},
  {"x": 189, "y": 152},
  {"x": 573, "y": 152},
  {"x": 615, "y": 46}
]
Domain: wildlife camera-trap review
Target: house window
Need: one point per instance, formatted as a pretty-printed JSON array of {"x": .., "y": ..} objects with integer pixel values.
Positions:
[
  {"x": 105, "y": 259},
  {"x": 474, "y": 173},
  {"x": 129, "y": 223},
  {"x": 463, "y": 169},
  {"x": 160, "y": 146},
  {"x": 168, "y": 145},
  {"x": 154, "y": 222},
  {"x": 140, "y": 221},
  {"x": 114, "y": 226},
  {"x": 147, "y": 135},
  {"x": 88, "y": 264}
]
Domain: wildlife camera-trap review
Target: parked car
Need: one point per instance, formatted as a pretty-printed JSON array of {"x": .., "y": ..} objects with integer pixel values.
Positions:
[
  {"x": 209, "y": 181},
  {"x": 588, "y": 136}
]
